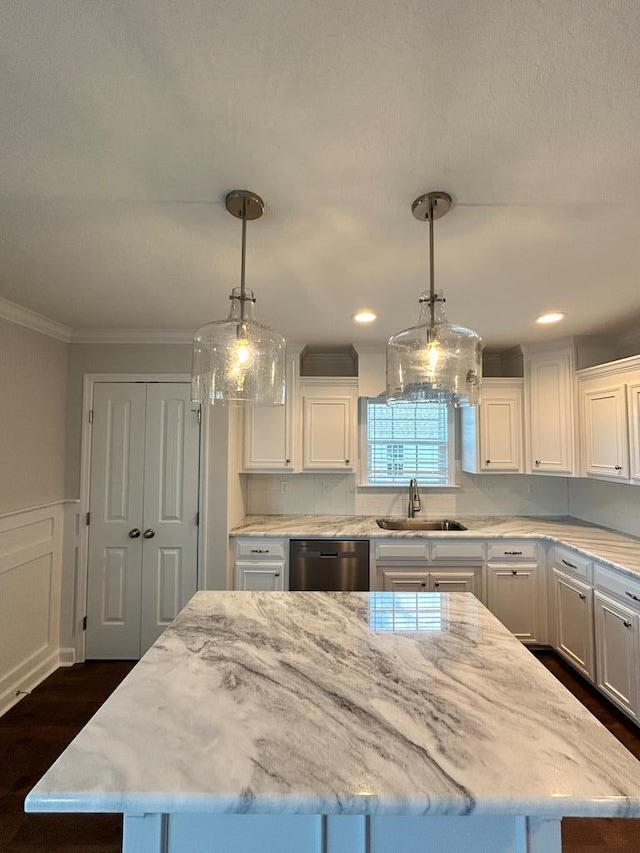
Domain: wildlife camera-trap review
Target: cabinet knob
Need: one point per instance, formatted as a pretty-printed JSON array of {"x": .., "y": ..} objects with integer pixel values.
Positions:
[
  {"x": 287, "y": 462},
  {"x": 514, "y": 571},
  {"x": 582, "y": 596},
  {"x": 618, "y": 467},
  {"x": 134, "y": 533},
  {"x": 537, "y": 461},
  {"x": 435, "y": 583},
  {"x": 276, "y": 574},
  {"x": 346, "y": 461},
  {"x": 626, "y": 624},
  {"x": 423, "y": 583},
  {"x": 149, "y": 533},
  {"x": 487, "y": 462}
]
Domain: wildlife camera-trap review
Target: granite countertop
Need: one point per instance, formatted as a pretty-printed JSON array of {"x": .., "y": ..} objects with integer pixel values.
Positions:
[
  {"x": 615, "y": 549},
  {"x": 352, "y": 703}
]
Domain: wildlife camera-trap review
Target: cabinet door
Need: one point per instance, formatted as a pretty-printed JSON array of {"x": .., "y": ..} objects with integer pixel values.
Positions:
[
  {"x": 617, "y": 653},
  {"x": 605, "y": 442},
  {"x": 268, "y": 431},
  {"x": 403, "y": 581},
  {"x": 459, "y": 580},
  {"x": 550, "y": 414},
  {"x": 256, "y": 577},
  {"x": 574, "y": 622},
  {"x": 500, "y": 434},
  {"x": 633, "y": 394},
  {"x": 328, "y": 425},
  {"x": 513, "y": 598}
]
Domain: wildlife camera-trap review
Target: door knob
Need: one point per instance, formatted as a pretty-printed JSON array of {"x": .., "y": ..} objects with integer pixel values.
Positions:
[
  {"x": 149, "y": 533},
  {"x": 134, "y": 533}
]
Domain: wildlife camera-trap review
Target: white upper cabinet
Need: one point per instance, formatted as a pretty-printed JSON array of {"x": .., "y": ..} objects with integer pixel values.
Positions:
[
  {"x": 633, "y": 405},
  {"x": 269, "y": 430},
  {"x": 604, "y": 430},
  {"x": 492, "y": 437},
  {"x": 610, "y": 420},
  {"x": 329, "y": 424},
  {"x": 549, "y": 407}
]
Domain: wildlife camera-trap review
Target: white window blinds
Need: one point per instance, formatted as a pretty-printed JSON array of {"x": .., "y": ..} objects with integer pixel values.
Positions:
[{"x": 407, "y": 440}]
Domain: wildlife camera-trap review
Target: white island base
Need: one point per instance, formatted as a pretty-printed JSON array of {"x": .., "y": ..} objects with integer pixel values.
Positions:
[{"x": 207, "y": 833}]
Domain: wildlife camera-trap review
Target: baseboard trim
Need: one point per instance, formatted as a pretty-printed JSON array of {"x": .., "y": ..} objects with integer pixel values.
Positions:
[
  {"x": 26, "y": 677},
  {"x": 67, "y": 656}
]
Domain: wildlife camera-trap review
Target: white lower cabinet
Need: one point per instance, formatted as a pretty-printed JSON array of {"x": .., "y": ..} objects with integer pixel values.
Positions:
[
  {"x": 573, "y": 634},
  {"x": 513, "y": 597},
  {"x": 261, "y": 564},
  {"x": 257, "y": 577},
  {"x": 441, "y": 580},
  {"x": 617, "y": 649}
]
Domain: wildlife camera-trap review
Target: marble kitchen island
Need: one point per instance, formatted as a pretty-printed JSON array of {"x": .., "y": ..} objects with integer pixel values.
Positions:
[{"x": 341, "y": 723}]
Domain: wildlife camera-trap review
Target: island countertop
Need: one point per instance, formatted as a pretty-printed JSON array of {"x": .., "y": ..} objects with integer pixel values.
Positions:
[
  {"x": 341, "y": 703},
  {"x": 615, "y": 549}
]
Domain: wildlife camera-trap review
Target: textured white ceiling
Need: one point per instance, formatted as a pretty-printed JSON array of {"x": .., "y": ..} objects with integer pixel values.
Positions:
[{"x": 124, "y": 124}]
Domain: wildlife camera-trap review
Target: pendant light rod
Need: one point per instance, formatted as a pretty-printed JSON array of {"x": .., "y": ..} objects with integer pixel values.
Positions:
[
  {"x": 244, "y": 205},
  {"x": 432, "y": 283},
  {"x": 431, "y": 206}
]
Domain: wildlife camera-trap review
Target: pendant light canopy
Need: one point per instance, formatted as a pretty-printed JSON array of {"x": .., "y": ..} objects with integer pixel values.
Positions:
[
  {"x": 434, "y": 361},
  {"x": 238, "y": 360}
]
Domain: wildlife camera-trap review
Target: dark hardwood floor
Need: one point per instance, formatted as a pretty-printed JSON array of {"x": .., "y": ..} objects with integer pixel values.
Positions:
[{"x": 34, "y": 733}]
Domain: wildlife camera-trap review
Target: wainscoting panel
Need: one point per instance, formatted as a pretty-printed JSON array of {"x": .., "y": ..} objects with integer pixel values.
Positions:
[{"x": 30, "y": 576}]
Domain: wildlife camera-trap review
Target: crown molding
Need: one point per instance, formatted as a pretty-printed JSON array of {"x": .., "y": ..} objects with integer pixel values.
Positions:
[
  {"x": 30, "y": 320},
  {"x": 132, "y": 336}
]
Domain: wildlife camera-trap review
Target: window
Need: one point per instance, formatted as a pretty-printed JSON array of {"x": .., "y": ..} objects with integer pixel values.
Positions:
[{"x": 407, "y": 440}]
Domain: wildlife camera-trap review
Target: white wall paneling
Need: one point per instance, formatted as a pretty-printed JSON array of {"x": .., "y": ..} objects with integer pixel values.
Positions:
[{"x": 30, "y": 582}]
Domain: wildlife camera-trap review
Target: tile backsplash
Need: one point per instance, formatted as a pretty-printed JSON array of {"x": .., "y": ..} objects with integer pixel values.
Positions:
[{"x": 338, "y": 494}]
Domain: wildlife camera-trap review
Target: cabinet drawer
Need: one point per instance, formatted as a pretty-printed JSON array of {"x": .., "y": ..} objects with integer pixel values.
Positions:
[
  {"x": 571, "y": 562},
  {"x": 458, "y": 550},
  {"x": 512, "y": 551},
  {"x": 621, "y": 585},
  {"x": 260, "y": 549},
  {"x": 415, "y": 550}
]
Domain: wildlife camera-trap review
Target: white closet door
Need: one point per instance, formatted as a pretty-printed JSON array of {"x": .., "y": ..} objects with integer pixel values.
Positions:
[
  {"x": 144, "y": 503},
  {"x": 116, "y": 500},
  {"x": 169, "y": 553}
]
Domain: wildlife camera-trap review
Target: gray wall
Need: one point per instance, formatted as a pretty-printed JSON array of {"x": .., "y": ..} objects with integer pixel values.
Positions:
[
  {"x": 110, "y": 358},
  {"x": 614, "y": 505},
  {"x": 33, "y": 390}
]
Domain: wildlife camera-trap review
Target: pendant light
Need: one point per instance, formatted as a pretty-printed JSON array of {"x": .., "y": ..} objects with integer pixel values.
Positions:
[
  {"x": 434, "y": 361},
  {"x": 238, "y": 360}
]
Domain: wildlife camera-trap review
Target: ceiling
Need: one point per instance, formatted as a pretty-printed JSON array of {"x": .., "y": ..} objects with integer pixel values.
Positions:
[{"x": 126, "y": 123}]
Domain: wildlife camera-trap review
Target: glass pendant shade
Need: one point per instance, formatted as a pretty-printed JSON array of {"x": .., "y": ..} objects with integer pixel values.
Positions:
[
  {"x": 238, "y": 361},
  {"x": 434, "y": 362}
]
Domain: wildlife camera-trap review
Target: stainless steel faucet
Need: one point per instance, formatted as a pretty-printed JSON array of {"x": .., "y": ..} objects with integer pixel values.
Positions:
[{"x": 415, "y": 504}]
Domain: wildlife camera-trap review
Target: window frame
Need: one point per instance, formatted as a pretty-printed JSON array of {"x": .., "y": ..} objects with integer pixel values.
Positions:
[{"x": 364, "y": 450}]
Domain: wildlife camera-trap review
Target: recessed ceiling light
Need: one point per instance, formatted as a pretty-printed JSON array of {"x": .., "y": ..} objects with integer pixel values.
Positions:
[
  {"x": 364, "y": 317},
  {"x": 551, "y": 317}
]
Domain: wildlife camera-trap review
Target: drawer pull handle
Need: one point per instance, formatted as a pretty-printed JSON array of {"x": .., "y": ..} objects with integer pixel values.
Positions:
[
  {"x": 582, "y": 596},
  {"x": 513, "y": 553},
  {"x": 259, "y": 550},
  {"x": 567, "y": 563},
  {"x": 634, "y": 597},
  {"x": 626, "y": 624}
]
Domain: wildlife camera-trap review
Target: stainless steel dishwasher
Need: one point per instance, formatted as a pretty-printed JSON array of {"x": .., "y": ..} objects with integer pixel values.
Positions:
[{"x": 324, "y": 565}]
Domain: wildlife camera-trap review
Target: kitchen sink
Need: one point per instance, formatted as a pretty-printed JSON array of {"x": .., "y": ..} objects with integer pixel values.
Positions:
[{"x": 419, "y": 524}]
